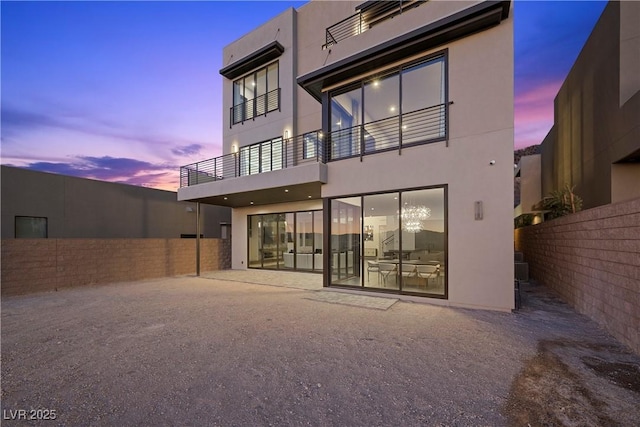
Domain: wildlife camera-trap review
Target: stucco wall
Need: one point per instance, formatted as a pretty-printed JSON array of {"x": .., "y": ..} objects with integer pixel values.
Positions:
[
  {"x": 86, "y": 208},
  {"x": 35, "y": 265},
  {"x": 592, "y": 260}
]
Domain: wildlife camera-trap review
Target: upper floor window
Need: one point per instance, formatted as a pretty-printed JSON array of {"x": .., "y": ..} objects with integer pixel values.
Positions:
[
  {"x": 403, "y": 106},
  {"x": 256, "y": 94}
]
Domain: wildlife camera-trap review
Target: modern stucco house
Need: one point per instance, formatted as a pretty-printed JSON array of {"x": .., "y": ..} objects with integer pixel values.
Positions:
[{"x": 372, "y": 142}]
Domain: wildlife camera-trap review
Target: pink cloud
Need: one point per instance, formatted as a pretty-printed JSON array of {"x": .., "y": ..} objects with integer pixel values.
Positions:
[{"x": 534, "y": 113}]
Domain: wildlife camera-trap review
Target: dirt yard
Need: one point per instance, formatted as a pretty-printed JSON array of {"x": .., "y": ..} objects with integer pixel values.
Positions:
[{"x": 204, "y": 351}]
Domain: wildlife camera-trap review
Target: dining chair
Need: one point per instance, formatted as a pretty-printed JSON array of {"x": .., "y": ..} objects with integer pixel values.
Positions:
[
  {"x": 385, "y": 270},
  {"x": 407, "y": 271},
  {"x": 373, "y": 266},
  {"x": 427, "y": 272}
]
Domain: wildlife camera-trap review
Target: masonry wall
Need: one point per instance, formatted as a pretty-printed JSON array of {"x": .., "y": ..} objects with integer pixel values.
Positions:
[
  {"x": 592, "y": 260},
  {"x": 36, "y": 265}
]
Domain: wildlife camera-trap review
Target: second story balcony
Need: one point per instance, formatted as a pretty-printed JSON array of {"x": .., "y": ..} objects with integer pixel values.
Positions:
[{"x": 278, "y": 170}]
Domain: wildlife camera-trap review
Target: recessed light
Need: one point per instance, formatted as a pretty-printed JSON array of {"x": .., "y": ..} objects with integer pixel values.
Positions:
[
  {"x": 226, "y": 198},
  {"x": 309, "y": 196},
  {"x": 251, "y": 202},
  {"x": 286, "y": 190},
  {"x": 392, "y": 108},
  {"x": 372, "y": 209},
  {"x": 376, "y": 83}
]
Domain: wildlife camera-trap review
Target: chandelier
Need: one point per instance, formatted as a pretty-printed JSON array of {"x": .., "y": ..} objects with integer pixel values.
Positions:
[{"x": 412, "y": 217}]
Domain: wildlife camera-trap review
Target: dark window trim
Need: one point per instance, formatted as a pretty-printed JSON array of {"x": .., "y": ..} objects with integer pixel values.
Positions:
[
  {"x": 327, "y": 206},
  {"x": 476, "y": 18},
  {"x": 295, "y": 243},
  {"x": 254, "y": 60},
  {"x": 252, "y": 101},
  {"x": 399, "y": 70}
]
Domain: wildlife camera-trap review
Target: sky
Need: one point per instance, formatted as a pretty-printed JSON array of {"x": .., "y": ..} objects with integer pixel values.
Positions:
[{"x": 130, "y": 91}]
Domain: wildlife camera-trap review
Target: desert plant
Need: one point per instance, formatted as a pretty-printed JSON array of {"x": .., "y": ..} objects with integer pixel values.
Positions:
[{"x": 560, "y": 203}]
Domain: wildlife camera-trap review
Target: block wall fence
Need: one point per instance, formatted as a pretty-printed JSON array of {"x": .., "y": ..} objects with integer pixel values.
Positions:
[
  {"x": 35, "y": 265},
  {"x": 591, "y": 259}
]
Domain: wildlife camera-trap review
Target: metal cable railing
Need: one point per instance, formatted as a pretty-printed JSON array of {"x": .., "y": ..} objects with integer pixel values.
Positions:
[
  {"x": 420, "y": 126},
  {"x": 276, "y": 154},
  {"x": 366, "y": 18},
  {"x": 258, "y": 106}
]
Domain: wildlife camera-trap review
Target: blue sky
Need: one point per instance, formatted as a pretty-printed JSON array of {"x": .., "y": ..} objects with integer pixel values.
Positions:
[{"x": 129, "y": 91}]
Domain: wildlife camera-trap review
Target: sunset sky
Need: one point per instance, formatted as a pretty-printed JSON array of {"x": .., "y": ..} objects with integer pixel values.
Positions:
[{"x": 130, "y": 91}]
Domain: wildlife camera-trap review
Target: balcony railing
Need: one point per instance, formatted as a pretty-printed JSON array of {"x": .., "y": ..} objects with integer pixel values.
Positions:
[
  {"x": 416, "y": 127},
  {"x": 365, "y": 18},
  {"x": 258, "y": 106},
  {"x": 279, "y": 153}
]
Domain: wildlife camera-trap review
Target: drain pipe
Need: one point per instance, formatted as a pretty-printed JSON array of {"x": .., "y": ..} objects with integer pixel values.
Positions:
[{"x": 197, "y": 238}]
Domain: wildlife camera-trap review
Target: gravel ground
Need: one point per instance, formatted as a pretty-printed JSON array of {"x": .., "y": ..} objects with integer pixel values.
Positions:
[{"x": 202, "y": 351}]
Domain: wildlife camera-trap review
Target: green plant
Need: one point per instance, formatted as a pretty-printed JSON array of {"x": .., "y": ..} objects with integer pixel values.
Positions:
[{"x": 560, "y": 203}]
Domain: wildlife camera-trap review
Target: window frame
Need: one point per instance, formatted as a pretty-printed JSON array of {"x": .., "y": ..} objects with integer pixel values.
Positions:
[
  {"x": 398, "y": 69},
  {"x": 251, "y": 103}
]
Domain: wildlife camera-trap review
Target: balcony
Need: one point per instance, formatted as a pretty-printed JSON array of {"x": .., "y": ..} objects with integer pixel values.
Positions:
[
  {"x": 413, "y": 128},
  {"x": 252, "y": 108},
  {"x": 280, "y": 170},
  {"x": 368, "y": 14}
]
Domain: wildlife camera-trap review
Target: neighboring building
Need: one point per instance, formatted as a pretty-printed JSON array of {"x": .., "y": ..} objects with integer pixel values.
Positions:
[
  {"x": 594, "y": 144},
  {"x": 45, "y": 205},
  {"x": 528, "y": 173},
  {"x": 378, "y": 151}
]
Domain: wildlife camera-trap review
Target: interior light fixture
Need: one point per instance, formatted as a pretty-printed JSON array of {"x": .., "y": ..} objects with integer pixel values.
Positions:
[
  {"x": 412, "y": 217},
  {"x": 309, "y": 197},
  {"x": 392, "y": 108},
  {"x": 251, "y": 202},
  {"x": 226, "y": 198},
  {"x": 286, "y": 190},
  {"x": 376, "y": 83}
]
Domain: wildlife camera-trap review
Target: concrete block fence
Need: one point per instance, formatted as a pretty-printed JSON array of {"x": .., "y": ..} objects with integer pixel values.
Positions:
[
  {"x": 35, "y": 265},
  {"x": 591, "y": 259}
]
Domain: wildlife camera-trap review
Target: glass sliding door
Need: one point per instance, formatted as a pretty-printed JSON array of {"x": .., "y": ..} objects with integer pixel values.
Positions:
[
  {"x": 255, "y": 241},
  {"x": 290, "y": 240},
  {"x": 395, "y": 241},
  {"x": 304, "y": 240},
  {"x": 345, "y": 241},
  {"x": 270, "y": 241},
  {"x": 381, "y": 240},
  {"x": 317, "y": 240},
  {"x": 422, "y": 218}
]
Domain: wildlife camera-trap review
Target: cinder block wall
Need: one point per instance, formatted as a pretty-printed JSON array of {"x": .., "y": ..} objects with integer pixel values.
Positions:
[
  {"x": 592, "y": 260},
  {"x": 34, "y": 265}
]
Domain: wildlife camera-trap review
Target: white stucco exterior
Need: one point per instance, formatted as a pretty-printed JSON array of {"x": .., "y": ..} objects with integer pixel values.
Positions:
[{"x": 475, "y": 162}]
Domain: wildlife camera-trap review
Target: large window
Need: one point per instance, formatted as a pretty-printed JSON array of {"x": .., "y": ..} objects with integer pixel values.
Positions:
[
  {"x": 289, "y": 241},
  {"x": 256, "y": 94},
  {"x": 394, "y": 242},
  {"x": 405, "y": 105},
  {"x": 262, "y": 157}
]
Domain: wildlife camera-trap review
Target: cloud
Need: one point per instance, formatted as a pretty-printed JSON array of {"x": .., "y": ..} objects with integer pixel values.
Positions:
[
  {"x": 187, "y": 150},
  {"x": 16, "y": 121},
  {"x": 122, "y": 170}
]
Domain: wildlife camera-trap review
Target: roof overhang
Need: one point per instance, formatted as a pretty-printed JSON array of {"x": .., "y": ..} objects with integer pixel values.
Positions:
[
  {"x": 464, "y": 23},
  {"x": 260, "y": 57}
]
